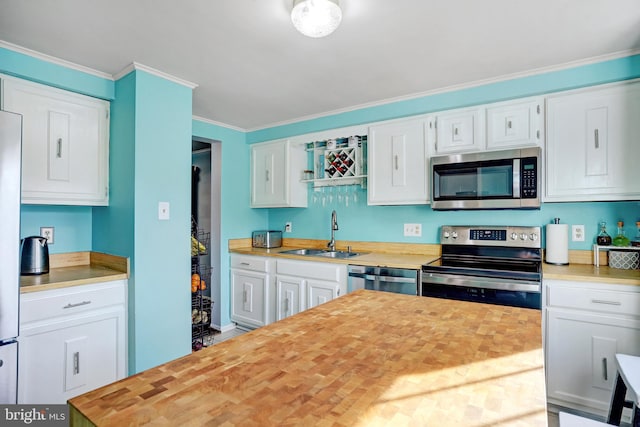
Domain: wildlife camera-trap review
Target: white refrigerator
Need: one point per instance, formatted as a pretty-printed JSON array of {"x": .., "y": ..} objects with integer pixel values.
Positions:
[{"x": 10, "y": 176}]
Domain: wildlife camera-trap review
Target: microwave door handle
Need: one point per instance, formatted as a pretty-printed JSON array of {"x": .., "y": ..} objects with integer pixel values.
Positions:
[{"x": 516, "y": 178}]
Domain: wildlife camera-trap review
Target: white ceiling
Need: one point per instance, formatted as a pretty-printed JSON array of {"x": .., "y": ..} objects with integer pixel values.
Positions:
[{"x": 253, "y": 69}]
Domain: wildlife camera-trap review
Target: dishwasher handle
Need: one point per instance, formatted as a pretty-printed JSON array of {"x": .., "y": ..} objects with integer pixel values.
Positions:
[{"x": 388, "y": 279}]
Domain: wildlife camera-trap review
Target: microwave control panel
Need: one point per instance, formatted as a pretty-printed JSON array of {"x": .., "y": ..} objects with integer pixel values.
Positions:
[{"x": 529, "y": 177}]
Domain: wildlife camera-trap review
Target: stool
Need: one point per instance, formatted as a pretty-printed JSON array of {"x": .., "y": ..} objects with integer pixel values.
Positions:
[
  {"x": 627, "y": 378},
  {"x": 570, "y": 420}
]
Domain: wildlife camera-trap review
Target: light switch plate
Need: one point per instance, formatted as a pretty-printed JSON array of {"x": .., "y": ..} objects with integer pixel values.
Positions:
[{"x": 163, "y": 211}]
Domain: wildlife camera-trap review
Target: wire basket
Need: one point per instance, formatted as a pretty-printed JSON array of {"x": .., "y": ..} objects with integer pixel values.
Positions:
[{"x": 625, "y": 260}]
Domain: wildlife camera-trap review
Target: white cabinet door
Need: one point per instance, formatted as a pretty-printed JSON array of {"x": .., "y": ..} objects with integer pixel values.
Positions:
[
  {"x": 72, "y": 340},
  {"x": 276, "y": 175},
  {"x": 71, "y": 358},
  {"x": 65, "y": 144},
  {"x": 459, "y": 131},
  {"x": 515, "y": 123},
  {"x": 290, "y": 296},
  {"x": 581, "y": 350},
  {"x": 398, "y": 164},
  {"x": 249, "y": 296},
  {"x": 319, "y": 292},
  {"x": 592, "y": 144}
]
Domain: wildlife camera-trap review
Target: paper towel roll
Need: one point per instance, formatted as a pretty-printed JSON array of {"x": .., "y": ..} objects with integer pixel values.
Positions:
[{"x": 557, "y": 251}]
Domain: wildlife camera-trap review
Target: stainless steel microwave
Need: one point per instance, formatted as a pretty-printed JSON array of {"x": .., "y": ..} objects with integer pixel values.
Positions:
[{"x": 507, "y": 179}]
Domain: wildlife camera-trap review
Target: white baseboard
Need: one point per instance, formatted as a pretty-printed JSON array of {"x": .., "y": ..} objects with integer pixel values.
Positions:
[{"x": 225, "y": 328}]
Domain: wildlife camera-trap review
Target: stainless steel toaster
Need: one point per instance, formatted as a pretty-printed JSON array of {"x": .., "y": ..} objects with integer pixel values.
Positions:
[{"x": 266, "y": 239}]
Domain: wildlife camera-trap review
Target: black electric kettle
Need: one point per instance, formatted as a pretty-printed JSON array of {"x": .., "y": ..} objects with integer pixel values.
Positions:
[{"x": 34, "y": 255}]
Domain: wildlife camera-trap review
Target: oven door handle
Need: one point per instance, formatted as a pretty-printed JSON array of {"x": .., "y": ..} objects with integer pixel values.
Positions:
[
  {"x": 388, "y": 279},
  {"x": 480, "y": 282}
]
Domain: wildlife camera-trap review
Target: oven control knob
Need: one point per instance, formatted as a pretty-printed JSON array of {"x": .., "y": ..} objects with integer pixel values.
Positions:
[
  {"x": 514, "y": 236},
  {"x": 454, "y": 234},
  {"x": 533, "y": 236},
  {"x": 445, "y": 234},
  {"x": 524, "y": 237}
]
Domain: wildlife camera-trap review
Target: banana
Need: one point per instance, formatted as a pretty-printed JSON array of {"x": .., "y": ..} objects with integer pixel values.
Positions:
[{"x": 197, "y": 247}]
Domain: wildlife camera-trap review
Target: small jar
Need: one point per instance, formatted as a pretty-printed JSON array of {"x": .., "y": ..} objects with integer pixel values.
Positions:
[
  {"x": 636, "y": 240},
  {"x": 603, "y": 238}
]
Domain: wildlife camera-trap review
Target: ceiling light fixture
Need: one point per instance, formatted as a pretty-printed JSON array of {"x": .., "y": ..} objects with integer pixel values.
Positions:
[{"x": 316, "y": 18}]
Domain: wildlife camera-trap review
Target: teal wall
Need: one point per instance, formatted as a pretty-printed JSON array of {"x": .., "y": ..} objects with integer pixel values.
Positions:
[
  {"x": 73, "y": 224},
  {"x": 577, "y": 77},
  {"x": 385, "y": 223},
  {"x": 114, "y": 224},
  {"x": 238, "y": 220},
  {"x": 151, "y": 163}
]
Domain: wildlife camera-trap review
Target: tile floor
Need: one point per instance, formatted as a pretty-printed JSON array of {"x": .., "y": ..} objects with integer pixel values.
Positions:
[{"x": 216, "y": 337}]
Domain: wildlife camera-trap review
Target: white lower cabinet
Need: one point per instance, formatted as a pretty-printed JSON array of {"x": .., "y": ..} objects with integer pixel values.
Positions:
[
  {"x": 306, "y": 284},
  {"x": 290, "y": 296},
  {"x": 252, "y": 290},
  {"x": 586, "y": 325},
  {"x": 265, "y": 289},
  {"x": 72, "y": 340}
]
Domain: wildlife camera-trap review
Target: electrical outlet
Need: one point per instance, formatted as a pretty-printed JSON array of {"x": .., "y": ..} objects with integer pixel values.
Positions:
[
  {"x": 288, "y": 227},
  {"x": 577, "y": 233},
  {"x": 47, "y": 233},
  {"x": 413, "y": 230}
]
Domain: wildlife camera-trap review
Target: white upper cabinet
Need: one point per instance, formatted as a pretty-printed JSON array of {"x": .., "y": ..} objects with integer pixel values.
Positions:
[
  {"x": 276, "y": 175},
  {"x": 398, "y": 163},
  {"x": 496, "y": 126},
  {"x": 515, "y": 123},
  {"x": 456, "y": 131},
  {"x": 65, "y": 144},
  {"x": 592, "y": 144}
]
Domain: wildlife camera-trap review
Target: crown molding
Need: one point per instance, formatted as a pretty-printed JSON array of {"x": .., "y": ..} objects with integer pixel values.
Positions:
[
  {"x": 141, "y": 67},
  {"x": 213, "y": 122},
  {"x": 453, "y": 88},
  {"x": 54, "y": 60}
]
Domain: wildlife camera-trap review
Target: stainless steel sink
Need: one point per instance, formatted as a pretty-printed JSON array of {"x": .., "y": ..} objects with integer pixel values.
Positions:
[
  {"x": 322, "y": 253},
  {"x": 310, "y": 252},
  {"x": 338, "y": 254}
]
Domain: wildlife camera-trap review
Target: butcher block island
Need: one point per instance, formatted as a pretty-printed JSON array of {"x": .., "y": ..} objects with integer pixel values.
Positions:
[{"x": 367, "y": 358}]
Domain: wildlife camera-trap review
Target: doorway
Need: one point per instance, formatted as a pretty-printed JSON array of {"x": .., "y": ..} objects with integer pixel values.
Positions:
[{"x": 205, "y": 209}]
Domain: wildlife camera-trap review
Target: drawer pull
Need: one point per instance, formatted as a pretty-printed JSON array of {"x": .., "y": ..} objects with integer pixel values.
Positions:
[
  {"x": 76, "y": 304},
  {"x": 245, "y": 263},
  {"x": 76, "y": 363},
  {"x": 602, "y": 301},
  {"x": 604, "y": 369}
]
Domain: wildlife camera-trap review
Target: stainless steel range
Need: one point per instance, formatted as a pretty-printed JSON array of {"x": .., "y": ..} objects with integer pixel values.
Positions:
[{"x": 490, "y": 264}]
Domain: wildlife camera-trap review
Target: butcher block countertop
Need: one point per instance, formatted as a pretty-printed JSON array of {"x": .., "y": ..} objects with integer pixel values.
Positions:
[
  {"x": 374, "y": 254},
  {"x": 364, "y": 359},
  {"x": 77, "y": 268},
  {"x": 412, "y": 256}
]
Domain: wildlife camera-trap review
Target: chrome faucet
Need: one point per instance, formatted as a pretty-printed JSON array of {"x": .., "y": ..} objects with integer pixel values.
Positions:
[{"x": 334, "y": 227}]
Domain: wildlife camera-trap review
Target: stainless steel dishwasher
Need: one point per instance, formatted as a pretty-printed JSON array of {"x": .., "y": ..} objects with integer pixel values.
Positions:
[{"x": 398, "y": 280}]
